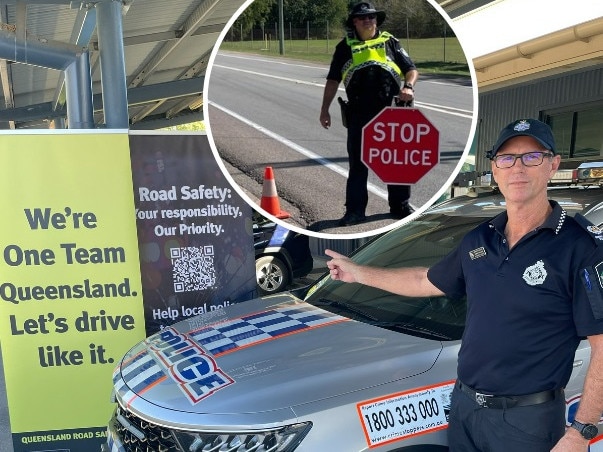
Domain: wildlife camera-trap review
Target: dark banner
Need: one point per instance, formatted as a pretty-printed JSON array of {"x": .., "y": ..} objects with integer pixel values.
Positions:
[{"x": 194, "y": 231}]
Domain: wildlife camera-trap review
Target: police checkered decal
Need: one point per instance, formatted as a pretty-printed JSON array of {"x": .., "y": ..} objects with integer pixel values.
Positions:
[
  {"x": 143, "y": 371},
  {"x": 252, "y": 329},
  {"x": 561, "y": 221},
  {"x": 113, "y": 447},
  {"x": 384, "y": 66}
]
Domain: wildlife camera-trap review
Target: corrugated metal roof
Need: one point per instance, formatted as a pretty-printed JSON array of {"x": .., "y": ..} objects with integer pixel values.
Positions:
[{"x": 167, "y": 45}]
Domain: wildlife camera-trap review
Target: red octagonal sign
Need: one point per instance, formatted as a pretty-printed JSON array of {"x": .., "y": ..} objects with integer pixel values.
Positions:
[{"x": 400, "y": 145}]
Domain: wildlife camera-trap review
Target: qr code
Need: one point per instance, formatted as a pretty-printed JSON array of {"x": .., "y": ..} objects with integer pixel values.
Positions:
[{"x": 193, "y": 268}]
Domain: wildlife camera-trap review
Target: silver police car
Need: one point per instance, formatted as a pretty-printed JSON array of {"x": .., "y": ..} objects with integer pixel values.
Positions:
[{"x": 344, "y": 367}]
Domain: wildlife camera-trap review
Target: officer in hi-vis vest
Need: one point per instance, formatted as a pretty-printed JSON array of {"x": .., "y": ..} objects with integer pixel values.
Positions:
[{"x": 374, "y": 69}]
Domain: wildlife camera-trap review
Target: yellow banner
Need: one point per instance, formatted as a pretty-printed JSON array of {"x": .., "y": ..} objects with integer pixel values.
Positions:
[{"x": 70, "y": 291}]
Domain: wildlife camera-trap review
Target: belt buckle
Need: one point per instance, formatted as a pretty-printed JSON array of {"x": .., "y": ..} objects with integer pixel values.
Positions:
[{"x": 482, "y": 399}]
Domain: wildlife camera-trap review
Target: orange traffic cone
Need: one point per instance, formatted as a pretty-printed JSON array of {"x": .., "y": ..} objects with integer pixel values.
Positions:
[{"x": 269, "y": 201}]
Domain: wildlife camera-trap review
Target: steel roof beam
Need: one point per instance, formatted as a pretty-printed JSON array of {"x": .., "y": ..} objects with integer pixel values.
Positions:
[
  {"x": 164, "y": 36},
  {"x": 36, "y": 51},
  {"x": 160, "y": 121},
  {"x": 152, "y": 93},
  {"x": 199, "y": 67},
  {"x": 190, "y": 25},
  {"x": 159, "y": 92},
  {"x": 30, "y": 113}
]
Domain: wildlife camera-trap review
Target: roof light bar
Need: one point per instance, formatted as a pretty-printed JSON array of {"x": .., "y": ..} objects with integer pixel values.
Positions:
[{"x": 590, "y": 172}]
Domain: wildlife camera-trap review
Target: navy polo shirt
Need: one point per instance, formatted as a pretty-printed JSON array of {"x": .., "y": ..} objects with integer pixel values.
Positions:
[{"x": 528, "y": 307}]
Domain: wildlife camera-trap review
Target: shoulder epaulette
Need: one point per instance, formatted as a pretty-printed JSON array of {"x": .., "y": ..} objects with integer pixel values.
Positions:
[{"x": 594, "y": 231}]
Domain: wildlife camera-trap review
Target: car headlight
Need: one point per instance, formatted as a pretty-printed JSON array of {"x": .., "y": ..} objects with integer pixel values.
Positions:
[{"x": 284, "y": 439}]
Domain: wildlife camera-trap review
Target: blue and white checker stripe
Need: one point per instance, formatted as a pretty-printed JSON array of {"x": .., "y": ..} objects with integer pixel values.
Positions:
[
  {"x": 113, "y": 445},
  {"x": 140, "y": 373},
  {"x": 266, "y": 325}
]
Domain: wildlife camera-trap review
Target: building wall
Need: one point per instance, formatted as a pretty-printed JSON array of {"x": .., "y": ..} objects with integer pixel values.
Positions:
[{"x": 499, "y": 107}]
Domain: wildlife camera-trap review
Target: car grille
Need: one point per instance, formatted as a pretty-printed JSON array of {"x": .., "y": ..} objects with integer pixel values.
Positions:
[
  {"x": 138, "y": 435},
  {"x": 142, "y": 436}
]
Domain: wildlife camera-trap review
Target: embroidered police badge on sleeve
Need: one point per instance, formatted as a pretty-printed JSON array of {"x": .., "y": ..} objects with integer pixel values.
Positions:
[{"x": 595, "y": 231}]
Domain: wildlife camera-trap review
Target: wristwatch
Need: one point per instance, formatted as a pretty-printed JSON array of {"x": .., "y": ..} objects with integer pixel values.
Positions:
[
  {"x": 588, "y": 431},
  {"x": 408, "y": 85}
]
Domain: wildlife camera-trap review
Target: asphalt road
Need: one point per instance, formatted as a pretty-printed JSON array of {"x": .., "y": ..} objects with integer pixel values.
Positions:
[{"x": 264, "y": 112}]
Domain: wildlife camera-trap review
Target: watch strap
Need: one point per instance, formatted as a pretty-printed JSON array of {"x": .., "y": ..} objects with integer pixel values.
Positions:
[{"x": 588, "y": 431}]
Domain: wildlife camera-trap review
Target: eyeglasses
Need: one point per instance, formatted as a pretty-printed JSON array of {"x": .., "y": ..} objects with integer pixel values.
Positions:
[
  {"x": 534, "y": 158},
  {"x": 367, "y": 16}
]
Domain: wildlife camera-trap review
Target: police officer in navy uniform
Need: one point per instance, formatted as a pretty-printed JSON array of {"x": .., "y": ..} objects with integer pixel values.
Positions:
[
  {"x": 374, "y": 69},
  {"x": 533, "y": 278}
]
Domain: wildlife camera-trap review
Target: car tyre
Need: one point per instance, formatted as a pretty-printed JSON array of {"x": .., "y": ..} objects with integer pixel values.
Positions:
[{"x": 272, "y": 275}]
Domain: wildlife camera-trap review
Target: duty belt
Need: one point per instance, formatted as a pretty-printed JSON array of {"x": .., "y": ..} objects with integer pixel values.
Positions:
[{"x": 499, "y": 402}]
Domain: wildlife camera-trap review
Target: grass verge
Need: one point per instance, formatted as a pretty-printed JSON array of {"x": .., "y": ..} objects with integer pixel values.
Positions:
[{"x": 434, "y": 55}]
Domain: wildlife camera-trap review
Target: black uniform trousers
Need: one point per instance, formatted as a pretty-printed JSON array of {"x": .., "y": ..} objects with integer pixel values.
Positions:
[
  {"x": 356, "y": 194},
  {"x": 534, "y": 428}
]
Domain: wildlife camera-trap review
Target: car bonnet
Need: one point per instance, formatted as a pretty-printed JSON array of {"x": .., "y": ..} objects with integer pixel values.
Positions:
[{"x": 265, "y": 355}]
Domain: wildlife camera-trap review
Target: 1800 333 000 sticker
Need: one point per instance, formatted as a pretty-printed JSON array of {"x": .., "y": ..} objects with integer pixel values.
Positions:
[{"x": 405, "y": 414}]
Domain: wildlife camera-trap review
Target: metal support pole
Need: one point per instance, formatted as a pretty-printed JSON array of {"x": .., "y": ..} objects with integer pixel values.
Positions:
[
  {"x": 308, "y": 35},
  {"x": 78, "y": 89},
  {"x": 281, "y": 28},
  {"x": 112, "y": 62}
]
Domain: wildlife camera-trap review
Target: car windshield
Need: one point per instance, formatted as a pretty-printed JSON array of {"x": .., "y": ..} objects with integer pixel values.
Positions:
[
  {"x": 419, "y": 243},
  {"x": 422, "y": 243}
]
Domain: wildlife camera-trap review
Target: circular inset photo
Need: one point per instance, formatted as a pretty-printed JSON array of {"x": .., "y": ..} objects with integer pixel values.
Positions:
[{"x": 341, "y": 118}]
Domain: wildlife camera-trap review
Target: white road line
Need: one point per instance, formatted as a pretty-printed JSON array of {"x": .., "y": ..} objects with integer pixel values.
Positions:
[
  {"x": 296, "y": 147},
  {"x": 265, "y": 60},
  {"x": 261, "y": 74},
  {"x": 435, "y": 107}
]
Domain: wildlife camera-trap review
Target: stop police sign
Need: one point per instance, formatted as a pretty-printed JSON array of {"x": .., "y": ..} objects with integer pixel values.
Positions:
[{"x": 400, "y": 145}]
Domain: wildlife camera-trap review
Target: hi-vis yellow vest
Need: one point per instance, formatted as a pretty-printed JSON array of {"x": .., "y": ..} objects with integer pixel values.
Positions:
[{"x": 370, "y": 53}]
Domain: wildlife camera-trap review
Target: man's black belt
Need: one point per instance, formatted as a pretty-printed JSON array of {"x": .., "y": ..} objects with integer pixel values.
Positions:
[{"x": 492, "y": 401}]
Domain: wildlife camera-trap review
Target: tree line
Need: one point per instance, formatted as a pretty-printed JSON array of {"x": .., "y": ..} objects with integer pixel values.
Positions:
[{"x": 409, "y": 18}]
